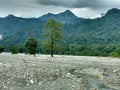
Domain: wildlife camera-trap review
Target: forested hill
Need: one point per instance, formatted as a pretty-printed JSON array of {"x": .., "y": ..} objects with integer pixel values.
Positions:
[
  {"x": 79, "y": 31},
  {"x": 66, "y": 17},
  {"x": 104, "y": 30}
]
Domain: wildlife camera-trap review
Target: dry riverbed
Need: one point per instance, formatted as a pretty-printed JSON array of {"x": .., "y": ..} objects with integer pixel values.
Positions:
[{"x": 25, "y": 72}]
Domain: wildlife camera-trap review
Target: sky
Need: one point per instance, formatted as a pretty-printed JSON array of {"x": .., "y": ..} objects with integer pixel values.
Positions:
[{"x": 37, "y": 8}]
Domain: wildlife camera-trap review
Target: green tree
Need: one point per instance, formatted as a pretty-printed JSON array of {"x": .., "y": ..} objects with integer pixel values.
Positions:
[
  {"x": 115, "y": 53},
  {"x": 31, "y": 45},
  {"x": 1, "y": 49},
  {"x": 51, "y": 36},
  {"x": 14, "y": 49}
]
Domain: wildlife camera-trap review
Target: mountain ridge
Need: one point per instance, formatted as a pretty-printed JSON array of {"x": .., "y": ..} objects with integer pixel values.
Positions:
[
  {"x": 64, "y": 17},
  {"x": 102, "y": 31}
]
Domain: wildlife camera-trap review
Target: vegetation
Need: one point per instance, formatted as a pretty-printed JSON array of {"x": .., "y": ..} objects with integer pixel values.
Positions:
[
  {"x": 31, "y": 45},
  {"x": 93, "y": 37},
  {"x": 51, "y": 36},
  {"x": 14, "y": 49},
  {"x": 1, "y": 49},
  {"x": 115, "y": 53}
]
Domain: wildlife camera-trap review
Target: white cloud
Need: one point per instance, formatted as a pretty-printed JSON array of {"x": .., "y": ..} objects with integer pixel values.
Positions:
[
  {"x": 82, "y": 3},
  {"x": 36, "y": 8},
  {"x": 88, "y": 12}
]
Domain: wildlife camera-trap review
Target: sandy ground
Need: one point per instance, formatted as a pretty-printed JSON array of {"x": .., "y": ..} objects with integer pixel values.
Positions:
[{"x": 25, "y": 72}]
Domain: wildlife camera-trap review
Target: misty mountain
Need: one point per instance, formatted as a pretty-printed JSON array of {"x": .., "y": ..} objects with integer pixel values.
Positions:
[
  {"x": 64, "y": 17},
  {"x": 101, "y": 31}
]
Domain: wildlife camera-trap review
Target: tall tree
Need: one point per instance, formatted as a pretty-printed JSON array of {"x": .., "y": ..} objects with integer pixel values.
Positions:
[
  {"x": 51, "y": 35},
  {"x": 31, "y": 45}
]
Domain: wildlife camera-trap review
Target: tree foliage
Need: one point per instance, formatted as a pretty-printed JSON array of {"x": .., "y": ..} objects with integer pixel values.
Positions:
[
  {"x": 31, "y": 45},
  {"x": 14, "y": 49},
  {"x": 51, "y": 36},
  {"x": 115, "y": 53},
  {"x": 1, "y": 49}
]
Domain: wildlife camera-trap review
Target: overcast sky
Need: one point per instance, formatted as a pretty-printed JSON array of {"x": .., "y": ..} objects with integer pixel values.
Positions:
[{"x": 36, "y": 8}]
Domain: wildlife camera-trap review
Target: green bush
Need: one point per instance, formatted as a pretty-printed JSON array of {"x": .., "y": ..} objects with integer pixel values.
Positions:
[
  {"x": 115, "y": 53},
  {"x": 1, "y": 49},
  {"x": 14, "y": 49}
]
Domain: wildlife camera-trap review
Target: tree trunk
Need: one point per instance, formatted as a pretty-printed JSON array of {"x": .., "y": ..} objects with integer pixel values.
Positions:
[
  {"x": 34, "y": 54},
  {"x": 52, "y": 49}
]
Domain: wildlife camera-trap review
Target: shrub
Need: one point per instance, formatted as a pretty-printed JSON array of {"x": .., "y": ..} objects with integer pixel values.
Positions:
[
  {"x": 1, "y": 49},
  {"x": 14, "y": 49}
]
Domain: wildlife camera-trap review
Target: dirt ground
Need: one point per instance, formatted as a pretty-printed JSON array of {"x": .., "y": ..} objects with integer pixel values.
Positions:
[{"x": 25, "y": 72}]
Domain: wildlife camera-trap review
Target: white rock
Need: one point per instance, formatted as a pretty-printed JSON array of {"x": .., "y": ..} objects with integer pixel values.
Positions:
[
  {"x": 115, "y": 71},
  {"x": 31, "y": 81},
  {"x": 68, "y": 75}
]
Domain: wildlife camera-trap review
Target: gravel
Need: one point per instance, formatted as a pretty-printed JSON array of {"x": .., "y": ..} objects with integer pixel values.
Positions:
[{"x": 25, "y": 72}]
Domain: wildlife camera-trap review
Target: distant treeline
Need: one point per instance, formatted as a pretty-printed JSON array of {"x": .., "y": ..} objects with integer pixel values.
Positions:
[{"x": 74, "y": 49}]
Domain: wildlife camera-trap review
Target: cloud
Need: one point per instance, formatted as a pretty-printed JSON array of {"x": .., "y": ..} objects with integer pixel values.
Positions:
[
  {"x": 36, "y": 8},
  {"x": 88, "y": 13},
  {"x": 81, "y": 3},
  {"x": 26, "y": 8}
]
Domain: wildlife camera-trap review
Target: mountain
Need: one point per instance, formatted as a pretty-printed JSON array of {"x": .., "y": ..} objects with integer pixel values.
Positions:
[
  {"x": 113, "y": 11},
  {"x": 64, "y": 17},
  {"x": 11, "y": 24},
  {"x": 100, "y": 31}
]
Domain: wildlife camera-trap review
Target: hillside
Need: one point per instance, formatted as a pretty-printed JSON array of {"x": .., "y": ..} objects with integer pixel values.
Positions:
[
  {"x": 66, "y": 17},
  {"x": 99, "y": 31},
  {"x": 104, "y": 30}
]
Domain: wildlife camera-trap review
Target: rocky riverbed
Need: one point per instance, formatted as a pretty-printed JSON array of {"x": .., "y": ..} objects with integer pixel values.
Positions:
[{"x": 25, "y": 72}]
